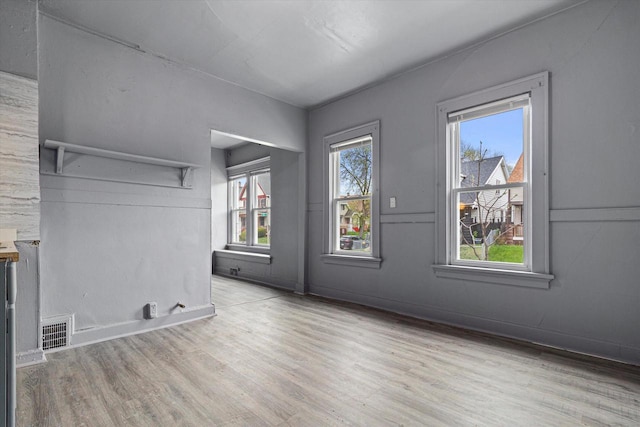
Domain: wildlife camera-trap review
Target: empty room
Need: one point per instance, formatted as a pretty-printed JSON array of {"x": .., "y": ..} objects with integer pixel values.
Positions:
[{"x": 310, "y": 213}]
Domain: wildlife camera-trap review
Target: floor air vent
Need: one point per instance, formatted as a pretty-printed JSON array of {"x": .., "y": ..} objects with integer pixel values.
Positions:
[{"x": 56, "y": 333}]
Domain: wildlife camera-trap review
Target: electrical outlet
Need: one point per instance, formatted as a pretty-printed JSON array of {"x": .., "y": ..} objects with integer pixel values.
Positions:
[
  {"x": 392, "y": 202},
  {"x": 152, "y": 310}
]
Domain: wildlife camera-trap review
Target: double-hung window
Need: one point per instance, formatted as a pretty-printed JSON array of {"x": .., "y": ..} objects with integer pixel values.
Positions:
[
  {"x": 250, "y": 205},
  {"x": 352, "y": 217},
  {"x": 492, "y": 216}
]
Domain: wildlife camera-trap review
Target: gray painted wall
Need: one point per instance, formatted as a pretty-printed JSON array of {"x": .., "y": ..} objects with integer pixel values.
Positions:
[
  {"x": 246, "y": 153},
  {"x": 109, "y": 248},
  {"x": 19, "y": 37},
  {"x": 218, "y": 199},
  {"x": 285, "y": 250},
  {"x": 593, "y": 54}
]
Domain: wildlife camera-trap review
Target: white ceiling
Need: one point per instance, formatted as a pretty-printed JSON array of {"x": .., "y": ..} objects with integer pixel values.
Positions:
[{"x": 305, "y": 53}]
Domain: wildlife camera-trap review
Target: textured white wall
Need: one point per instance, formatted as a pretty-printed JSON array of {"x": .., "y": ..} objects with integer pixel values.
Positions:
[{"x": 19, "y": 171}]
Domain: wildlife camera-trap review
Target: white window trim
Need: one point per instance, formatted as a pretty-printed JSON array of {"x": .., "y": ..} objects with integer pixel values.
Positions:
[
  {"x": 332, "y": 256},
  {"x": 243, "y": 255},
  {"x": 536, "y": 273},
  {"x": 249, "y": 170}
]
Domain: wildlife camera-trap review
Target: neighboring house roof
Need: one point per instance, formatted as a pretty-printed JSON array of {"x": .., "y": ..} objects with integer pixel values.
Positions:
[
  {"x": 469, "y": 175},
  {"x": 261, "y": 193},
  {"x": 469, "y": 171},
  {"x": 517, "y": 174}
]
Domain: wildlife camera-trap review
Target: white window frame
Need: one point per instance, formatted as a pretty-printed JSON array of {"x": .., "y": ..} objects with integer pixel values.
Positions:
[
  {"x": 332, "y": 253},
  {"x": 249, "y": 171},
  {"x": 534, "y": 272},
  {"x": 454, "y": 120}
]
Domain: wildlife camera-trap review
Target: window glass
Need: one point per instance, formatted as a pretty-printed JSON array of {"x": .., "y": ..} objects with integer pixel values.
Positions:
[
  {"x": 262, "y": 209},
  {"x": 352, "y": 180},
  {"x": 490, "y": 144},
  {"x": 355, "y": 170},
  {"x": 250, "y": 204},
  {"x": 238, "y": 190},
  {"x": 355, "y": 225}
]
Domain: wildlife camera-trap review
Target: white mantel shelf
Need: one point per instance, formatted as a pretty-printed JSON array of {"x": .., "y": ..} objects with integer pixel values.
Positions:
[{"x": 186, "y": 169}]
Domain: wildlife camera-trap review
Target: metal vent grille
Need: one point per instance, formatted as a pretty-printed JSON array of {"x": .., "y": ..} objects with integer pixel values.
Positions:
[
  {"x": 56, "y": 333},
  {"x": 54, "y": 336}
]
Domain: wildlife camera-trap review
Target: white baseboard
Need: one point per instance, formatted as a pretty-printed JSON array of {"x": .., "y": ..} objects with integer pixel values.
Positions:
[
  {"x": 31, "y": 357},
  {"x": 95, "y": 335}
]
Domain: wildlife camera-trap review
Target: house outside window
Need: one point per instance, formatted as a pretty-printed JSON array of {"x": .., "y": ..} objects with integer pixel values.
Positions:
[
  {"x": 250, "y": 205},
  {"x": 351, "y": 210},
  {"x": 492, "y": 216}
]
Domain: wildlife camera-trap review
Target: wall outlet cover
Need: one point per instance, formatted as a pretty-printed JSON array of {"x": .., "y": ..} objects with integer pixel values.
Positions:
[{"x": 151, "y": 310}]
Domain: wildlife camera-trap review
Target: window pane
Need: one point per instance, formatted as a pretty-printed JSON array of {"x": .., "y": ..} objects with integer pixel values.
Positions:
[
  {"x": 354, "y": 220},
  {"x": 491, "y": 226},
  {"x": 238, "y": 190},
  {"x": 487, "y": 140},
  {"x": 262, "y": 226},
  {"x": 238, "y": 193},
  {"x": 238, "y": 226},
  {"x": 354, "y": 171},
  {"x": 262, "y": 196}
]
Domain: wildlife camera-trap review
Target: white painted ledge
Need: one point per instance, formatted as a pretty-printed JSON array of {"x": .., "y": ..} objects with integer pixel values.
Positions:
[
  {"x": 492, "y": 275},
  {"x": 92, "y": 171},
  {"x": 352, "y": 261},
  {"x": 595, "y": 214},
  {"x": 31, "y": 357},
  {"x": 243, "y": 256}
]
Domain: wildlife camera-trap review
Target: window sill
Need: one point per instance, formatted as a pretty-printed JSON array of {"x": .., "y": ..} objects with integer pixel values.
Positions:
[
  {"x": 352, "y": 261},
  {"x": 491, "y": 275},
  {"x": 243, "y": 256},
  {"x": 249, "y": 249}
]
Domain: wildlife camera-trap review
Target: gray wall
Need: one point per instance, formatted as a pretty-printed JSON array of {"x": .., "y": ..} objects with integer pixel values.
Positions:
[
  {"x": 218, "y": 199},
  {"x": 285, "y": 249},
  {"x": 19, "y": 38},
  {"x": 246, "y": 153},
  {"x": 109, "y": 248},
  {"x": 593, "y": 54}
]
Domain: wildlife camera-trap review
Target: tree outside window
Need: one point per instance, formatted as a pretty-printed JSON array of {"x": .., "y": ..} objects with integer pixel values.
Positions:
[
  {"x": 492, "y": 211},
  {"x": 489, "y": 143},
  {"x": 352, "y": 195}
]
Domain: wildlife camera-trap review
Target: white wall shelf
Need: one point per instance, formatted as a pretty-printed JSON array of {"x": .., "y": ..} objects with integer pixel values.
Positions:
[{"x": 185, "y": 169}]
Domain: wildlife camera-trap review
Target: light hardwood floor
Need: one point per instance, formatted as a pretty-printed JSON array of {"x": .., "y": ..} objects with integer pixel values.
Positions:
[{"x": 278, "y": 359}]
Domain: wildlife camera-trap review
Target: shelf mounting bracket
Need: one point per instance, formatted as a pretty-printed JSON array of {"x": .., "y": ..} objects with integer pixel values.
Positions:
[
  {"x": 59, "y": 160},
  {"x": 185, "y": 176}
]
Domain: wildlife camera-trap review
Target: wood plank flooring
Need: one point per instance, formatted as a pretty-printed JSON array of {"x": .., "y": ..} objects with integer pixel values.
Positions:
[{"x": 277, "y": 359}]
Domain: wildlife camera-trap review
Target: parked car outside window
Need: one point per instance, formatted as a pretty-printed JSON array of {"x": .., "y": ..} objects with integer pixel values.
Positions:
[{"x": 353, "y": 242}]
